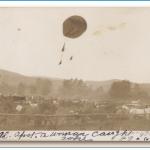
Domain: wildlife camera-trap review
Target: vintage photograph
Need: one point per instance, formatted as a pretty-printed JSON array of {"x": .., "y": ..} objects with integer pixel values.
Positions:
[{"x": 74, "y": 68}]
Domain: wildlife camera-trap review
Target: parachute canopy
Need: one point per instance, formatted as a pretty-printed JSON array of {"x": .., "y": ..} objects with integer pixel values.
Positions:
[{"x": 74, "y": 26}]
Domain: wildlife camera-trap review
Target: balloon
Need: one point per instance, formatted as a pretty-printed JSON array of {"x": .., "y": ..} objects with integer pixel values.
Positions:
[{"x": 74, "y": 26}]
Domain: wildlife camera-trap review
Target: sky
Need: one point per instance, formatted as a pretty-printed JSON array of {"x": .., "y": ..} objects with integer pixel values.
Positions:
[{"x": 116, "y": 44}]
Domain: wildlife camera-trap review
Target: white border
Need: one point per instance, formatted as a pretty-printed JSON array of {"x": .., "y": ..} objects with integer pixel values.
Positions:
[{"x": 74, "y": 3}]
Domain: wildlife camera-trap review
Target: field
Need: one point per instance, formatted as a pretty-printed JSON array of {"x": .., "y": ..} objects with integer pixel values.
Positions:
[{"x": 39, "y": 113}]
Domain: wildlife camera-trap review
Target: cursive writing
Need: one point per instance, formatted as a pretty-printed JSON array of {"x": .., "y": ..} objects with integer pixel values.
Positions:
[{"x": 119, "y": 135}]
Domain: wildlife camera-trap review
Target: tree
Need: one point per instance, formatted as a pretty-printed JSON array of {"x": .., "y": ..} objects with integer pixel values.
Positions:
[
  {"x": 74, "y": 88},
  {"x": 138, "y": 92},
  {"x": 99, "y": 92},
  {"x": 4, "y": 88},
  {"x": 67, "y": 88},
  {"x": 21, "y": 89},
  {"x": 43, "y": 86},
  {"x": 32, "y": 90},
  {"x": 120, "y": 89}
]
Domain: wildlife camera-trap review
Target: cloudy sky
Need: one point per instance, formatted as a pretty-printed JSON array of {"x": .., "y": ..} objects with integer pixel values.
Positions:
[{"x": 116, "y": 44}]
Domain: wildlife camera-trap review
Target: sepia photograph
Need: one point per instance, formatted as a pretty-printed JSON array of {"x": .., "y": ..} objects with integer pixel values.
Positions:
[{"x": 74, "y": 69}]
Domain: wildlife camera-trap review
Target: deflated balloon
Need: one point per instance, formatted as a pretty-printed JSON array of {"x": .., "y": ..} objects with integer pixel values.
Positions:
[{"x": 74, "y": 26}]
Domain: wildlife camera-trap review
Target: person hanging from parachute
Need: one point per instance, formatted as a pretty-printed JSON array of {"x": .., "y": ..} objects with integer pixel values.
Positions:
[
  {"x": 62, "y": 50},
  {"x": 73, "y": 27}
]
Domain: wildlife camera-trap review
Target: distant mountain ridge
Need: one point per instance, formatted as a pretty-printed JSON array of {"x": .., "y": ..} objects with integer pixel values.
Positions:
[{"x": 14, "y": 79}]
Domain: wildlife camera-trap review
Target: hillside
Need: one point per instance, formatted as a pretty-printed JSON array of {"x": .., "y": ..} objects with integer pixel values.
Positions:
[
  {"x": 14, "y": 79},
  {"x": 105, "y": 84}
]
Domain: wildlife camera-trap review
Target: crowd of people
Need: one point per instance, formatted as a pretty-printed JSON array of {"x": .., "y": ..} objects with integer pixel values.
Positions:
[{"x": 41, "y": 113}]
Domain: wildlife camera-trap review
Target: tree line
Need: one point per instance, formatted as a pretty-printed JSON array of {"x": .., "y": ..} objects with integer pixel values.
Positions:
[{"x": 74, "y": 88}]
